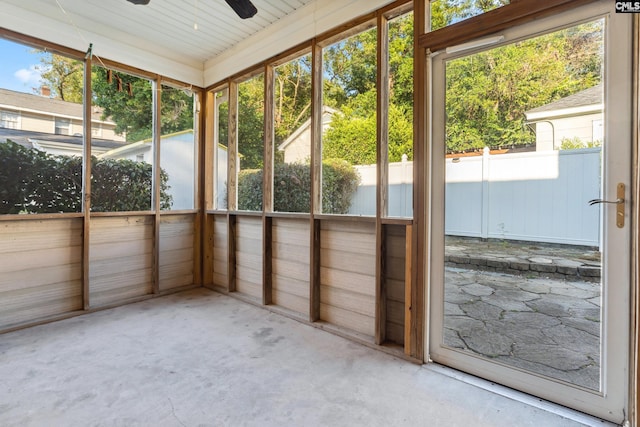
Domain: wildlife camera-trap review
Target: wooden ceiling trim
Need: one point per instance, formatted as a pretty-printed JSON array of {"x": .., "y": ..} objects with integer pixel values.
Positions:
[{"x": 516, "y": 13}]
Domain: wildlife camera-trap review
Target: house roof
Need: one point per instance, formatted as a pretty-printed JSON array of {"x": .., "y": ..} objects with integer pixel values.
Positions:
[
  {"x": 10, "y": 99},
  {"x": 584, "y": 98},
  {"x": 327, "y": 112},
  {"x": 26, "y": 138}
]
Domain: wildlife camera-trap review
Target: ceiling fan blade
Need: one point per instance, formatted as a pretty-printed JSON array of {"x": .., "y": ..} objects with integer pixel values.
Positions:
[
  {"x": 139, "y": 1},
  {"x": 244, "y": 8}
]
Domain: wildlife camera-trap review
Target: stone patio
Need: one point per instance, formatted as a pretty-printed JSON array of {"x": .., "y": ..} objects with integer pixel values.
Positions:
[{"x": 547, "y": 322}]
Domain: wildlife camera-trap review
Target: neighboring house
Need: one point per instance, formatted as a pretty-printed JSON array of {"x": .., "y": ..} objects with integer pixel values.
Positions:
[
  {"x": 39, "y": 113},
  {"x": 178, "y": 157},
  {"x": 577, "y": 116},
  {"x": 57, "y": 144},
  {"x": 297, "y": 148}
]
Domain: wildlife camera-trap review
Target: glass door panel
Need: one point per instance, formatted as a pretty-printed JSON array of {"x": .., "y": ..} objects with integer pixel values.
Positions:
[{"x": 523, "y": 140}]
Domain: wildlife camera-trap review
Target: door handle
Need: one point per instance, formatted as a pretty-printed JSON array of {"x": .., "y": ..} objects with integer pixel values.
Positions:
[{"x": 619, "y": 202}]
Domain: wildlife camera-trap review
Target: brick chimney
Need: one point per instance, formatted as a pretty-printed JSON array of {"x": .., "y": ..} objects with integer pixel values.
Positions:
[{"x": 45, "y": 91}]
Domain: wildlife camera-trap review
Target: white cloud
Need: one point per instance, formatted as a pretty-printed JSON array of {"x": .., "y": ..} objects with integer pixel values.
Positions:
[{"x": 28, "y": 76}]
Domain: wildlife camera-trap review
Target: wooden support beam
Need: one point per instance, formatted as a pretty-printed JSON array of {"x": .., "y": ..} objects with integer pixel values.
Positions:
[
  {"x": 418, "y": 254},
  {"x": 316, "y": 182},
  {"x": 408, "y": 291},
  {"x": 232, "y": 150},
  {"x": 86, "y": 181},
  {"x": 231, "y": 253},
  {"x": 267, "y": 260},
  {"x": 155, "y": 190},
  {"x": 382, "y": 173},
  {"x": 200, "y": 177},
  {"x": 267, "y": 182},
  {"x": 314, "y": 294}
]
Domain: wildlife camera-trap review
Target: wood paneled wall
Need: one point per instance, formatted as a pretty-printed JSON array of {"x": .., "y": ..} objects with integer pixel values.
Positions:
[
  {"x": 220, "y": 251},
  {"x": 46, "y": 274},
  {"x": 344, "y": 253},
  {"x": 40, "y": 269},
  {"x": 394, "y": 282},
  {"x": 176, "y": 251},
  {"x": 248, "y": 246},
  {"x": 290, "y": 264},
  {"x": 121, "y": 258},
  {"x": 347, "y": 275}
]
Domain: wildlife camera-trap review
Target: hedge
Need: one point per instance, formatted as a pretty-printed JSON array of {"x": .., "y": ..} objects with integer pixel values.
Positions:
[
  {"x": 32, "y": 181},
  {"x": 292, "y": 184}
]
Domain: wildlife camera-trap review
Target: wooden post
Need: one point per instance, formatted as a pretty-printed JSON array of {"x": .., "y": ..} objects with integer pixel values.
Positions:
[
  {"x": 231, "y": 253},
  {"x": 382, "y": 174},
  {"x": 86, "y": 181},
  {"x": 232, "y": 150},
  {"x": 408, "y": 291},
  {"x": 206, "y": 177},
  {"x": 155, "y": 199},
  {"x": 416, "y": 302},
  {"x": 267, "y": 186},
  {"x": 316, "y": 182}
]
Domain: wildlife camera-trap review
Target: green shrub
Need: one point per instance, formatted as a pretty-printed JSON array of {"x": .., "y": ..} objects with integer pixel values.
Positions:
[
  {"x": 32, "y": 181},
  {"x": 292, "y": 184}
]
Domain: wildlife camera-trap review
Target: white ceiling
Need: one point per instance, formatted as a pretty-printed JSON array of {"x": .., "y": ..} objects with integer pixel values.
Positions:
[{"x": 160, "y": 37}]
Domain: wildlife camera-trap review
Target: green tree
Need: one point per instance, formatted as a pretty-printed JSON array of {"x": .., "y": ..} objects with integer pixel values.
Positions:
[
  {"x": 488, "y": 93},
  {"x": 64, "y": 76},
  {"x": 251, "y": 123},
  {"x": 292, "y": 106}
]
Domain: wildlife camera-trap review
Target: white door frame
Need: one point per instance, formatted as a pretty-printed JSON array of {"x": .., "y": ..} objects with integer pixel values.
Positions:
[{"x": 612, "y": 400}]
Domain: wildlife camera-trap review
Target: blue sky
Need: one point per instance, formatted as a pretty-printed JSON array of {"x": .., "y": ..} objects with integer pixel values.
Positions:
[{"x": 17, "y": 67}]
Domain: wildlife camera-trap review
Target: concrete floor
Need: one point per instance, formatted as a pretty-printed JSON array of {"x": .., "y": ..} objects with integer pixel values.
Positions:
[{"x": 199, "y": 358}]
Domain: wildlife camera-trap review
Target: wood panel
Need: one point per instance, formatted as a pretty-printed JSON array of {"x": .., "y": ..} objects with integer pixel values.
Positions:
[
  {"x": 393, "y": 282},
  {"x": 121, "y": 258},
  {"x": 290, "y": 264},
  {"x": 220, "y": 252},
  {"x": 176, "y": 251},
  {"x": 347, "y": 275},
  {"x": 41, "y": 269},
  {"x": 248, "y": 250}
]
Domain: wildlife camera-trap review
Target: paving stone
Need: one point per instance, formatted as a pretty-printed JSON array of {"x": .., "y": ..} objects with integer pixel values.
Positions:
[
  {"x": 482, "y": 311},
  {"x": 498, "y": 263},
  {"x": 530, "y": 320},
  {"x": 567, "y": 270},
  {"x": 519, "y": 265},
  {"x": 477, "y": 289},
  {"x": 454, "y": 295},
  {"x": 572, "y": 291},
  {"x": 543, "y": 268},
  {"x": 487, "y": 343},
  {"x": 589, "y": 326},
  {"x": 589, "y": 271},
  {"x": 549, "y": 307},
  {"x": 452, "y": 339},
  {"x": 452, "y": 310},
  {"x": 516, "y": 295},
  {"x": 538, "y": 260},
  {"x": 573, "y": 339},
  {"x": 534, "y": 287},
  {"x": 592, "y": 314},
  {"x": 553, "y": 356},
  {"x": 518, "y": 334},
  {"x": 595, "y": 301}
]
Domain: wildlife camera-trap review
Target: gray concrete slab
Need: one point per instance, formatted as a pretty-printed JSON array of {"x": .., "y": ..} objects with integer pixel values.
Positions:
[{"x": 199, "y": 358}]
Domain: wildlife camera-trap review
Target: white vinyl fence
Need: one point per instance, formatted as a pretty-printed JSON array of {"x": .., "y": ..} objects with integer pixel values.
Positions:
[{"x": 536, "y": 196}]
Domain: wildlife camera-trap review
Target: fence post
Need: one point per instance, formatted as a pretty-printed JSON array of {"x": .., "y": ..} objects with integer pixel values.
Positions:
[{"x": 485, "y": 193}]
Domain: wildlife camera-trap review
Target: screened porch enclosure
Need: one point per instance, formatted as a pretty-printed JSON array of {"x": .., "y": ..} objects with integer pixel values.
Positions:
[{"x": 284, "y": 179}]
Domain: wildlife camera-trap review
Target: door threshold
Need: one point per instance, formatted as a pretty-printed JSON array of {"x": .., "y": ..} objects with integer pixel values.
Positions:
[{"x": 521, "y": 397}]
